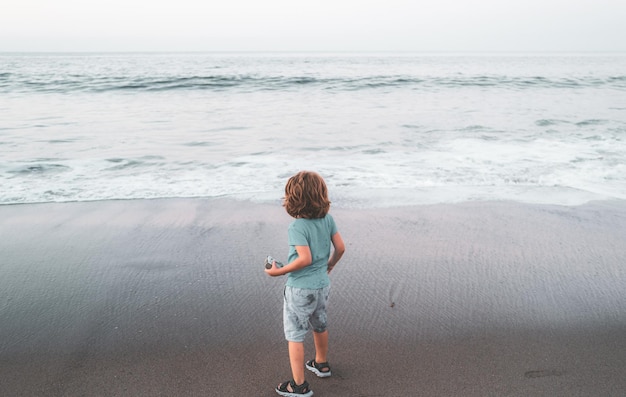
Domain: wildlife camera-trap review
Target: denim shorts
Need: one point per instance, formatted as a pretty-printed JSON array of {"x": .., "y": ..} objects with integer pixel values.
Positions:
[{"x": 304, "y": 309}]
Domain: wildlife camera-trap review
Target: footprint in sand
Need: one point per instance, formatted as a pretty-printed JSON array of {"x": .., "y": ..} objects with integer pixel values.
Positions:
[{"x": 542, "y": 373}]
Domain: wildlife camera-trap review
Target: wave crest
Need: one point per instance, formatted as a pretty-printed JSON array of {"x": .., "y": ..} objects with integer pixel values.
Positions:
[{"x": 72, "y": 83}]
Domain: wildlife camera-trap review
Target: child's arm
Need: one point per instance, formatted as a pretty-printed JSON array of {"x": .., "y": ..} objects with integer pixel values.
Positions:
[
  {"x": 339, "y": 249},
  {"x": 304, "y": 259}
]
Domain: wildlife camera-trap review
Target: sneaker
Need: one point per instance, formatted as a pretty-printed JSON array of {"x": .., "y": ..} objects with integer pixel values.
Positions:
[
  {"x": 297, "y": 390},
  {"x": 322, "y": 370}
]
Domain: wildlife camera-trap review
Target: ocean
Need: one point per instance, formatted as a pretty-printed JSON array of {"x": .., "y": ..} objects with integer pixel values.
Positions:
[{"x": 383, "y": 129}]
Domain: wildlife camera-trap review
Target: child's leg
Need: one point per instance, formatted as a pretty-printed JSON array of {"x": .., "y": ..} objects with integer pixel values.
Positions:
[
  {"x": 319, "y": 323},
  {"x": 296, "y": 359},
  {"x": 321, "y": 346}
]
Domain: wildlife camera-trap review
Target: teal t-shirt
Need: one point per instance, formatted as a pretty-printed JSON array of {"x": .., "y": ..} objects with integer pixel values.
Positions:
[{"x": 317, "y": 234}]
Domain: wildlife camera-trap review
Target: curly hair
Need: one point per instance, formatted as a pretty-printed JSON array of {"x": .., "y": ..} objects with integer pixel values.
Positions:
[{"x": 306, "y": 196}]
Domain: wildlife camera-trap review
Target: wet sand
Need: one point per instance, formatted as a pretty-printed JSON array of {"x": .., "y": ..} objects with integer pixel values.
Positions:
[{"x": 168, "y": 298}]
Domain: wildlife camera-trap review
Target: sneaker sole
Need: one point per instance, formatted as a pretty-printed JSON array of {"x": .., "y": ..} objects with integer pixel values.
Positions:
[{"x": 289, "y": 394}]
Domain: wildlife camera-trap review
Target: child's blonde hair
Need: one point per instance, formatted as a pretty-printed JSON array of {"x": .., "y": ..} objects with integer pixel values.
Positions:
[{"x": 306, "y": 196}]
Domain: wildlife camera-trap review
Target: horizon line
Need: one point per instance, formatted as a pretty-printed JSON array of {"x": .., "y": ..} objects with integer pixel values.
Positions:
[{"x": 313, "y": 52}]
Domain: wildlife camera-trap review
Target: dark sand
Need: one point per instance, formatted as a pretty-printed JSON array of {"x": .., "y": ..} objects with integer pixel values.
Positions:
[{"x": 168, "y": 298}]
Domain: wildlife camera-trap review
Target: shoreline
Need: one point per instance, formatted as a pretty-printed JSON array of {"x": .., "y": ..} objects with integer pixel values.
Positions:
[
  {"x": 389, "y": 198},
  {"x": 168, "y": 297}
]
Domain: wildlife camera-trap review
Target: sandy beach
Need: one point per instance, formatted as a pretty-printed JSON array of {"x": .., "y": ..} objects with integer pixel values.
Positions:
[{"x": 168, "y": 298}]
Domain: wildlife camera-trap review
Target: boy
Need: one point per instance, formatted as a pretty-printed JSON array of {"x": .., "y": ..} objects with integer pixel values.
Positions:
[{"x": 306, "y": 292}]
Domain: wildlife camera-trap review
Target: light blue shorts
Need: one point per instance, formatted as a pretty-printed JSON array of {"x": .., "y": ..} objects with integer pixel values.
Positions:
[{"x": 304, "y": 309}]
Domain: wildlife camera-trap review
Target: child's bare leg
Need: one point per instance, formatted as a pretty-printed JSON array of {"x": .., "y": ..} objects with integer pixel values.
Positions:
[
  {"x": 321, "y": 346},
  {"x": 296, "y": 359}
]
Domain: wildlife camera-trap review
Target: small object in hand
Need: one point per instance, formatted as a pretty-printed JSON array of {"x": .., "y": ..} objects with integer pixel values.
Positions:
[{"x": 269, "y": 260}]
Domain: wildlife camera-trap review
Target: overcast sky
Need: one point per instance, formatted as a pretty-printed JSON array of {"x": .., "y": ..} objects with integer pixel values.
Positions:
[{"x": 320, "y": 25}]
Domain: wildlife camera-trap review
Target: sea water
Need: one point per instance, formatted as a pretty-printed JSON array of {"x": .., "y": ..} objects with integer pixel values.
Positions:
[{"x": 383, "y": 129}]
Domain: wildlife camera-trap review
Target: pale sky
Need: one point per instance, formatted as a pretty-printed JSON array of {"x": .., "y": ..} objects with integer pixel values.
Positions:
[{"x": 320, "y": 25}]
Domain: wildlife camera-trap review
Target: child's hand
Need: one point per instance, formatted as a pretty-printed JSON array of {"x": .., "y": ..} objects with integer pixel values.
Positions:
[{"x": 273, "y": 271}]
